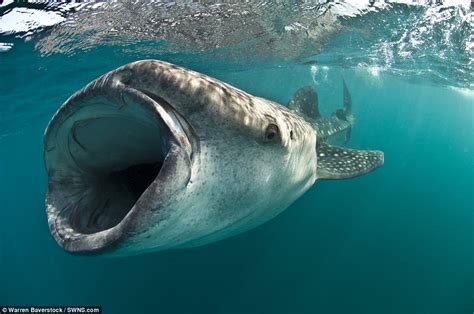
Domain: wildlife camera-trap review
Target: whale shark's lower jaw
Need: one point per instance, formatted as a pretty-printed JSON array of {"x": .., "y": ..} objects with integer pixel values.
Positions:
[{"x": 107, "y": 152}]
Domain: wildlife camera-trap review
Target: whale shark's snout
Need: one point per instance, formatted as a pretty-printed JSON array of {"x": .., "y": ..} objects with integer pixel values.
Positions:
[
  {"x": 111, "y": 152},
  {"x": 153, "y": 156}
]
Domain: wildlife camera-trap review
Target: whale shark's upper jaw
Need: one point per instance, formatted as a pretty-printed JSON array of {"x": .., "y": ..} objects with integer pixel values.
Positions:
[{"x": 112, "y": 153}]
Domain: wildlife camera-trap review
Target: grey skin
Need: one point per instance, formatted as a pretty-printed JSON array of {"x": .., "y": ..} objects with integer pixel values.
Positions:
[{"x": 153, "y": 156}]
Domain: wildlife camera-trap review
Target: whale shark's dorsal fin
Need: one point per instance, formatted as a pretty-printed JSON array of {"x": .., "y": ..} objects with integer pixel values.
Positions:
[
  {"x": 305, "y": 102},
  {"x": 343, "y": 163}
]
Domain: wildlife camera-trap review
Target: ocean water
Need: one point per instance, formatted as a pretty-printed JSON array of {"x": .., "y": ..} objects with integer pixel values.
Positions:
[{"x": 399, "y": 240}]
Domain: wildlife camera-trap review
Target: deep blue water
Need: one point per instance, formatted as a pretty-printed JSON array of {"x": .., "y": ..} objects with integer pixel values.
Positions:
[{"x": 399, "y": 240}]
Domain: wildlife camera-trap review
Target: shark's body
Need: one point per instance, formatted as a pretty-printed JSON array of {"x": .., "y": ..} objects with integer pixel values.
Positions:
[{"x": 153, "y": 156}]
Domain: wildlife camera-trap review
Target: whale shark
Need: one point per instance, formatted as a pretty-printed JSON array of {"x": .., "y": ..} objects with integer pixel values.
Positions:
[{"x": 153, "y": 156}]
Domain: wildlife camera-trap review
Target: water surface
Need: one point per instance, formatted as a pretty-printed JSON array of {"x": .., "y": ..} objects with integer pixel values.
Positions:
[{"x": 399, "y": 240}]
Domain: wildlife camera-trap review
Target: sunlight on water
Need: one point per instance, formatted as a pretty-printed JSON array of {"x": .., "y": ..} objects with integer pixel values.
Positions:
[
  {"x": 374, "y": 70},
  {"x": 401, "y": 38},
  {"x": 319, "y": 74},
  {"x": 467, "y": 92}
]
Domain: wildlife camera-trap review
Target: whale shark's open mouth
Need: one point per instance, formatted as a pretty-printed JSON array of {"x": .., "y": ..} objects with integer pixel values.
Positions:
[{"x": 103, "y": 150}]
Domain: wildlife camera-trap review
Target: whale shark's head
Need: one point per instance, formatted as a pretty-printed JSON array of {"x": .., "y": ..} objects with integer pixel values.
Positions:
[{"x": 152, "y": 156}]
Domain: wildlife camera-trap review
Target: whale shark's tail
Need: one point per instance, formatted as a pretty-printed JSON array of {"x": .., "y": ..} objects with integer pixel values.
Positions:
[
  {"x": 305, "y": 103},
  {"x": 346, "y": 113}
]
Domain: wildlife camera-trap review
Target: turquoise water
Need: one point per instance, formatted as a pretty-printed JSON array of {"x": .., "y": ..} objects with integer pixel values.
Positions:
[{"x": 399, "y": 240}]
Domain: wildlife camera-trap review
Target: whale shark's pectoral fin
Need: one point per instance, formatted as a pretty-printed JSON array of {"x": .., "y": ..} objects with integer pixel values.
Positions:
[
  {"x": 343, "y": 163},
  {"x": 305, "y": 102}
]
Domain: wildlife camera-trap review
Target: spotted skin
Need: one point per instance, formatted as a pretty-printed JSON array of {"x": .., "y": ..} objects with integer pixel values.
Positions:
[
  {"x": 341, "y": 163},
  {"x": 212, "y": 102},
  {"x": 330, "y": 126},
  {"x": 236, "y": 162}
]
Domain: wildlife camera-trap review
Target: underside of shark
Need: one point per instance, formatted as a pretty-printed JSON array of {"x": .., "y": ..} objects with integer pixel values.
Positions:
[{"x": 153, "y": 156}]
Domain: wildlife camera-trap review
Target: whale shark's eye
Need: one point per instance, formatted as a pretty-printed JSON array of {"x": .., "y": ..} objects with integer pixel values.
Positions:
[{"x": 272, "y": 132}]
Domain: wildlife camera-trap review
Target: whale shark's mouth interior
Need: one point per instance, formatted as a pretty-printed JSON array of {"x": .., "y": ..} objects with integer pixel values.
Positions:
[
  {"x": 103, "y": 159},
  {"x": 121, "y": 156}
]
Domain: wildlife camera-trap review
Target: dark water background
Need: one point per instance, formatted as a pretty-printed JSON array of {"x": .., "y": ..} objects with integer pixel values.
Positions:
[{"x": 399, "y": 240}]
